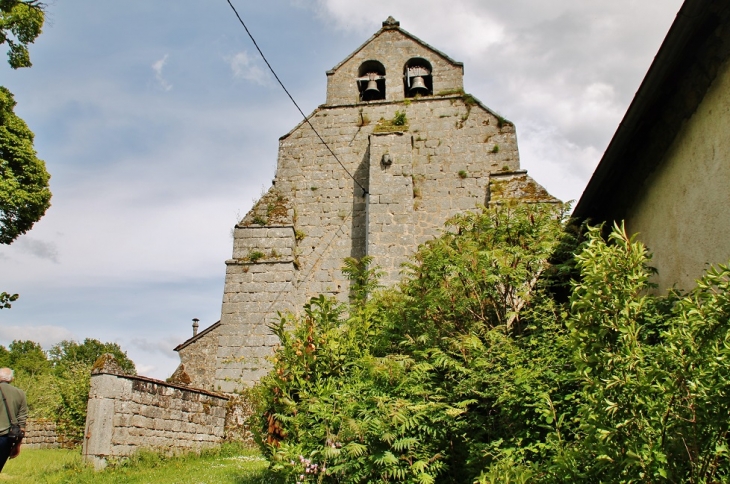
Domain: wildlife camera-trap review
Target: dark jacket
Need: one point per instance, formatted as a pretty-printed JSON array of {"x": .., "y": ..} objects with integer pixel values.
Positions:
[{"x": 18, "y": 407}]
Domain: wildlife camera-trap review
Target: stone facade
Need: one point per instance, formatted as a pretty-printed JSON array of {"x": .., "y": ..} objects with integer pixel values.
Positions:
[
  {"x": 41, "y": 434},
  {"x": 413, "y": 162},
  {"x": 127, "y": 413}
]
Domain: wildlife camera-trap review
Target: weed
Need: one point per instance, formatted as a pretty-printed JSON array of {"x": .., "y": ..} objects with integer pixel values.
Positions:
[
  {"x": 299, "y": 235},
  {"x": 314, "y": 189},
  {"x": 469, "y": 100},
  {"x": 463, "y": 174},
  {"x": 256, "y": 256},
  {"x": 495, "y": 149},
  {"x": 398, "y": 123},
  {"x": 259, "y": 220},
  {"x": 400, "y": 119},
  {"x": 505, "y": 168}
]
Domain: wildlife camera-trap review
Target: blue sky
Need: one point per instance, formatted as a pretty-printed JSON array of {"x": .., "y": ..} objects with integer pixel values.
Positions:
[{"x": 159, "y": 125}]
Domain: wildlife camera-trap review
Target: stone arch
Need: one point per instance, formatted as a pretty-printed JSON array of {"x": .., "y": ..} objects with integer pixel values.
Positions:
[
  {"x": 371, "y": 71},
  {"x": 417, "y": 67}
]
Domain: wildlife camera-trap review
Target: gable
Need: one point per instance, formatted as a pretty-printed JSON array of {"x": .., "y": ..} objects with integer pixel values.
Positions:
[{"x": 392, "y": 49}]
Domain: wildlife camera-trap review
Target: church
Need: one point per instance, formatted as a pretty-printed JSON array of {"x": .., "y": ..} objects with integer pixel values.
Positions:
[{"x": 397, "y": 149}]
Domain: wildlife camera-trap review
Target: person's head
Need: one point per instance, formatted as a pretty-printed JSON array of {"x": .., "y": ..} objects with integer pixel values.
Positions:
[{"x": 6, "y": 374}]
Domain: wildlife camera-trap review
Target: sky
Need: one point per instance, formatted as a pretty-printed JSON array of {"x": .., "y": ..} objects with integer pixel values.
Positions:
[{"x": 159, "y": 124}]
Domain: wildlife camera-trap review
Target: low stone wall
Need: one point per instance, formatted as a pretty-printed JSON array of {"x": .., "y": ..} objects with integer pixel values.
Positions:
[
  {"x": 129, "y": 413},
  {"x": 41, "y": 434}
]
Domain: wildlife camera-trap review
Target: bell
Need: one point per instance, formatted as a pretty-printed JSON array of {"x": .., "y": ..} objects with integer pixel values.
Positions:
[
  {"x": 418, "y": 86},
  {"x": 372, "y": 88}
]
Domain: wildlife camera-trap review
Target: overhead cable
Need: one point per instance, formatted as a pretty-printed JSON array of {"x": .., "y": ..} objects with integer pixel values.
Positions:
[{"x": 292, "y": 98}]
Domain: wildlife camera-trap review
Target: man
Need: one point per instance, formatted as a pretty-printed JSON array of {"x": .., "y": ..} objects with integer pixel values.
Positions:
[{"x": 18, "y": 409}]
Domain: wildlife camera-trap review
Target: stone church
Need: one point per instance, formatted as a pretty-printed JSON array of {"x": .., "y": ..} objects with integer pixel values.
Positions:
[{"x": 409, "y": 149}]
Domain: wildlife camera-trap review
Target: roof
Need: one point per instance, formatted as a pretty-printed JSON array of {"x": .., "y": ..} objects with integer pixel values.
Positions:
[
  {"x": 687, "y": 62},
  {"x": 197, "y": 336},
  {"x": 392, "y": 24}
]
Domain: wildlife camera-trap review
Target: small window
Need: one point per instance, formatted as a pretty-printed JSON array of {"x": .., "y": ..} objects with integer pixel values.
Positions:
[
  {"x": 417, "y": 80},
  {"x": 371, "y": 81}
]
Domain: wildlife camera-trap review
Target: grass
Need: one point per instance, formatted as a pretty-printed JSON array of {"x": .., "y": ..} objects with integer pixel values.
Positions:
[{"x": 232, "y": 464}]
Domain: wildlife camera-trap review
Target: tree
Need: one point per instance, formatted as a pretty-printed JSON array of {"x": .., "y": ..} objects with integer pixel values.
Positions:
[
  {"x": 20, "y": 23},
  {"x": 24, "y": 192},
  {"x": 66, "y": 353},
  {"x": 27, "y": 357}
]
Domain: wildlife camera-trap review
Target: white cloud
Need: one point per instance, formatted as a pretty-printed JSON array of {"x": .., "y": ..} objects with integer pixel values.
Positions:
[
  {"x": 157, "y": 66},
  {"x": 145, "y": 369},
  {"x": 245, "y": 67},
  {"x": 163, "y": 345},
  {"x": 46, "y": 335}
]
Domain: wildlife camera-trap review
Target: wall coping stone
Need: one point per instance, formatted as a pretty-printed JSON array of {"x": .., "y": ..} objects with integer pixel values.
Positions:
[
  {"x": 197, "y": 336},
  {"x": 165, "y": 384},
  {"x": 239, "y": 226},
  {"x": 242, "y": 262}
]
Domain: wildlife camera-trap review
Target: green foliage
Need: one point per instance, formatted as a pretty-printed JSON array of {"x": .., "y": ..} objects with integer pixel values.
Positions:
[
  {"x": 72, "y": 386},
  {"x": 512, "y": 351},
  {"x": 418, "y": 385},
  {"x": 400, "y": 118},
  {"x": 21, "y": 22},
  {"x": 463, "y": 174},
  {"x": 255, "y": 256},
  {"x": 27, "y": 357},
  {"x": 24, "y": 192},
  {"x": 653, "y": 369},
  {"x": 67, "y": 353},
  {"x": 57, "y": 382},
  {"x": 6, "y": 299}
]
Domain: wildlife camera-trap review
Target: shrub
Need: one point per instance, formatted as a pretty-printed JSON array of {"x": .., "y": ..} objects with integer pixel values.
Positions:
[
  {"x": 375, "y": 396},
  {"x": 508, "y": 353}
]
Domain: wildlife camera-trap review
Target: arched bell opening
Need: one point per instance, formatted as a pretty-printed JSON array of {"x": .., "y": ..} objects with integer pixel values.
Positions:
[
  {"x": 417, "y": 78},
  {"x": 371, "y": 81}
]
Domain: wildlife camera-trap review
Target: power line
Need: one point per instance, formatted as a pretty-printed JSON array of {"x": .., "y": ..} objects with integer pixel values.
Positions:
[{"x": 292, "y": 98}]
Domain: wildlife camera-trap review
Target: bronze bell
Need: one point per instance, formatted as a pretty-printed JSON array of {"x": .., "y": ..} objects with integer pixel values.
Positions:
[
  {"x": 418, "y": 86},
  {"x": 372, "y": 87}
]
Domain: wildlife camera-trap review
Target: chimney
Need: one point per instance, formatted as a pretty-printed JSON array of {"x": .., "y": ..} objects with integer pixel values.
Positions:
[{"x": 195, "y": 326}]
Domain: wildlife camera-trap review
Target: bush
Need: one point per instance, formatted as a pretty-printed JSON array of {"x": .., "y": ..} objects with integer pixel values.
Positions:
[{"x": 406, "y": 387}]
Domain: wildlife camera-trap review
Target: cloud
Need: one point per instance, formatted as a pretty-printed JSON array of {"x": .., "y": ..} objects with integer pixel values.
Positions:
[
  {"x": 163, "y": 345},
  {"x": 38, "y": 248},
  {"x": 563, "y": 72},
  {"x": 157, "y": 66},
  {"x": 245, "y": 67},
  {"x": 145, "y": 369},
  {"x": 46, "y": 335}
]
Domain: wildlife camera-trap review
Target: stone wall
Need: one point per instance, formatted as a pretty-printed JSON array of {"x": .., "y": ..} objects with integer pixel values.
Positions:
[
  {"x": 392, "y": 47},
  {"x": 41, "y": 434},
  {"x": 198, "y": 359},
  {"x": 128, "y": 413}
]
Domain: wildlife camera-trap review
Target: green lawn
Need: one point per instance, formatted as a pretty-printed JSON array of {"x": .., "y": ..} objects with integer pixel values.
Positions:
[{"x": 230, "y": 465}]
